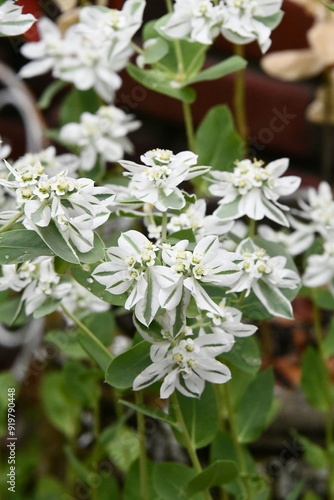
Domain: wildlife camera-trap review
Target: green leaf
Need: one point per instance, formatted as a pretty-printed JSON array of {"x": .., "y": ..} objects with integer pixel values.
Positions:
[
  {"x": 108, "y": 487},
  {"x": 217, "y": 142},
  {"x": 156, "y": 51},
  {"x": 220, "y": 472},
  {"x": 328, "y": 342},
  {"x": 82, "y": 383},
  {"x": 160, "y": 82},
  {"x": 81, "y": 470},
  {"x": 171, "y": 480},
  {"x": 254, "y": 407},
  {"x": 230, "y": 65},
  {"x": 151, "y": 412},
  {"x": 311, "y": 495},
  {"x": 21, "y": 245},
  {"x": 314, "y": 454},
  {"x": 77, "y": 102},
  {"x": 314, "y": 379},
  {"x": 49, "y": 93},
  {"x": 123, "y": 448},
  {"x": 12, "y": 313},
  {"x": 49, "y": 306},
  {"x": 49, "y": 488},
  {"x": 294, "y": 494},
  {"x": 200, "y": 416},
  {"x": 94, "y": 349},
  {"x": 273, "y": 299},
  {"x": 245, "y": 355},
  {"x": 132, "y": 482},
  {"x": 184, "y": 234},
  {"x": 84, "y": 277},
  {"x": 323, "y": 298},
  {"x": 123, "y": 369},
  {"x": 62, "y": 411},
  {"x": 67, "y": 343}
]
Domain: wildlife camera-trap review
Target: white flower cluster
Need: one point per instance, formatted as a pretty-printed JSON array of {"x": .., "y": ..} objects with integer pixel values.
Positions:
[
  {"x": 53, "y": 164},
  {"x": 239, "y": 21},
  {"x": 12, "y": 21},
  {"x": 253, "y": 189},
  {"x": 76, "y": 206},
  {"x": 39, "y": 283},
  {"x": 91, "y": 53},
  {"x": 101, "y": 133},
  {"x": 156, "y": 181}
]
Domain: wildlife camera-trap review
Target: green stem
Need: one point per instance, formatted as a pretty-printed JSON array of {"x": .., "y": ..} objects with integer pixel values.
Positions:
[
  {"x": 237, "y": 444},
  {"x": 188, "y": 120},
  {"x": 239, "y": 98},
  {"x": 164, "y": 223},
  {"x": 188, "y": 441},
  {"x": 144, "y": 490},
  {"x": 11, "y": 222},
  {"x": 251, "y": 228},
  {"x": 327, "y": 389},
  {"x": 87, "y": 331}
]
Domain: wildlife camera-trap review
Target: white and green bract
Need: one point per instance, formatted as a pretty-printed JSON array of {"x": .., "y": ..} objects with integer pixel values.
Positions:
[
  {"x": 253, "y": 190},
  {"x": 229, "y": 322},
  {"x": 76, "y": 206},
  {"x": 190, "y": 270},
  {"x": 195, "y": 218},
  {"x": 186, "y": 364},
  {"x": 156, "y": 181},
  {"x": 101, "y": 133},
  {"x": 320, "y": 267},
  {"x": 245, "y": 21},
  {"x": 12, "y": 21},
  {"x": 194, "y": 20},
  {"x": 265, "y": 275},
  {"x": 129, "y": 268},
  {"x": 53, "y": 164}
]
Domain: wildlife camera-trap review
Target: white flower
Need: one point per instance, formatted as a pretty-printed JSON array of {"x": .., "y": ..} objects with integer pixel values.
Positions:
[
  {"x": 194, "y": 218},
  {"x": 102, "y": 133},
  {"x": 53, "y": 164},
  {"x": 265, "y": 275},
  {"x": 320, "y": 268},
  {"x": 38, "y": 280},
  {"x": 81, "y": 302},
  {"x": 229, "y": 321},
  {"x": 45, "y": 52},
  {"x": 130, "y": 268},
  {"x": 253, "y": 190},
  {"x": 318, "y": 210},
  {"x": 186, "y": 365},
  {"x": 75, "y": 205},
  {"x": 12, "y": 21},
  {"x": 156, "y": 181},
  {"x": 194, "y": 20},
  {"x": 294, "y": 243},
  {"x": 247, "y": 20},
  {"x": 109, "y": 24},
  {"x": 207, "y": 263}
]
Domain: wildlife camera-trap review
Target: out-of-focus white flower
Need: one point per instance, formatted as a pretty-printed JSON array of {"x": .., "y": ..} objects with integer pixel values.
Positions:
[
  {"x": 194, "y": 20},
  {"x": 294, "y": 243},
  {"x": 12, "y": 21},
  {"x": 91, "y": 53},
  {"x": 156, "y": 181},
  {"x": 207, "y": 263},
  {"x": 102, "y": 133},
  {"x": 186, "y": 365},
  {"x": 120, "y": 343},
  {"x": 265, "y": 275},
  {"x": 319, "y": 209},
  {"x": 75, "y": 205},
  {"x": 52, "y": 163},
  {"x": 46, "y": 52},
  {"x": 245, "y": 21},
  {"x": 38, "y": 280},
  {"x": 81, "y": 302},
  {"x": 203, "y": 225},
  {"x": 320, "y": 268},
  {"x": 253, "y": 190},
  {"x": 110, "y": 24}
]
